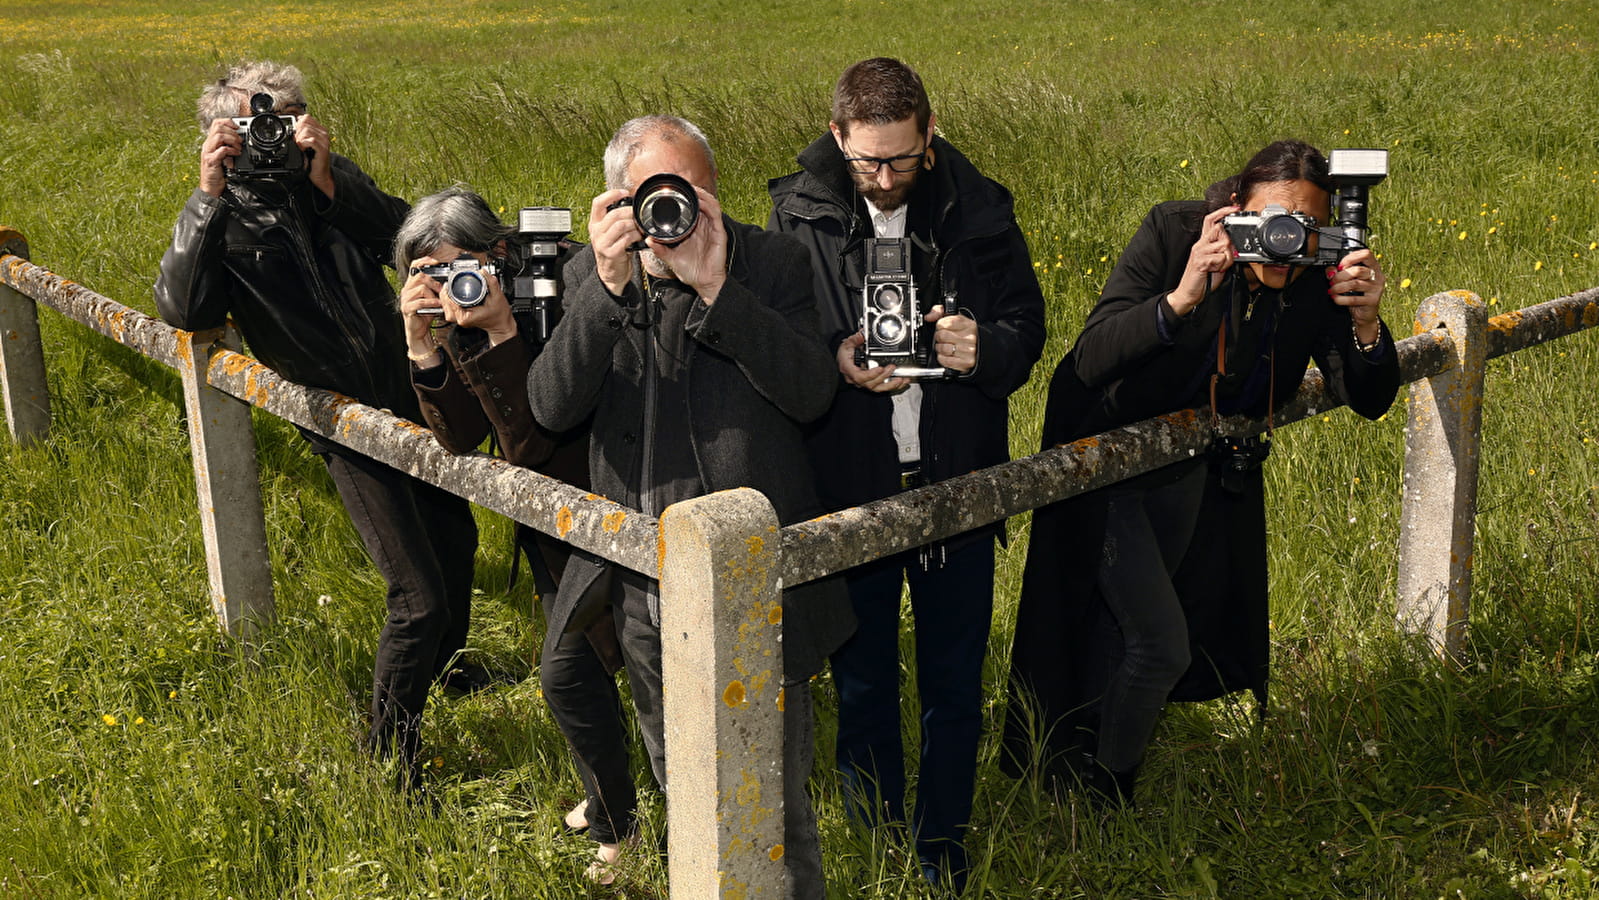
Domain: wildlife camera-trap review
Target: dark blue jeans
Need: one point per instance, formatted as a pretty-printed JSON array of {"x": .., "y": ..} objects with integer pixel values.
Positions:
[
  {"x": 952, "y": 603},
  {"x": 422, "y": 540}
]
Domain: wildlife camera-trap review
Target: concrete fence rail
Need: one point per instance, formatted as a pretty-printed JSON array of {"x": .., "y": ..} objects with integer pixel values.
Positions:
[{"x": 723, "y": 561}]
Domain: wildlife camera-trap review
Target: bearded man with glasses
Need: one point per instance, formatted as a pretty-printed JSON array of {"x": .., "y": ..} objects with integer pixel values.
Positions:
[{"x": 882, "y": 172}]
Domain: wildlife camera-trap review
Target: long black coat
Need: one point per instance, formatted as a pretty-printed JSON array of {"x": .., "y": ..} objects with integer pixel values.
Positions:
[
  {"x": 756, "y": 370},
  {"x": 1123, "y": 370}
]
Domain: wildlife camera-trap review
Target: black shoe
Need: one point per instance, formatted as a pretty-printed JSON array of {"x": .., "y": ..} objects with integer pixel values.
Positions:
[
  {"x": 467, "y": 677},
  {"x": 1107, "y": 788}
]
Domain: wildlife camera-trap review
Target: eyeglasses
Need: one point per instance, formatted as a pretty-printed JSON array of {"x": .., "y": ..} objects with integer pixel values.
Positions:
[{"x": 869, "y": 165}]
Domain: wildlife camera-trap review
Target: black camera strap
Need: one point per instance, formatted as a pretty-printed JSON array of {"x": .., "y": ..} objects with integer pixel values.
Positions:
[{"x": 1221, "y": 372}]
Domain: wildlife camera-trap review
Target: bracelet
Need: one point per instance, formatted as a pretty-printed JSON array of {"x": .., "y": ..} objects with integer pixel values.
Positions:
[
  {"x": 422, "y": 357},
  {"x": 1354, "y": 333}
]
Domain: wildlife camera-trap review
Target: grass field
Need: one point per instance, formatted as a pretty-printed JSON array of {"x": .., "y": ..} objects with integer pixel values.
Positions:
[{"x": 147, "y": 759}]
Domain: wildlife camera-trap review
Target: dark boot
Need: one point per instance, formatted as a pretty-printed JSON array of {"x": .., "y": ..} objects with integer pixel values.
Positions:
[{"x": 1108, "y": 789}]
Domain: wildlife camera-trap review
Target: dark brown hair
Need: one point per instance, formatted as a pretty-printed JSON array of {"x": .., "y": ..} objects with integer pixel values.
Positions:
[
  {"x": 880, "y": 91},
  {"x": 1279, "y": 161}
]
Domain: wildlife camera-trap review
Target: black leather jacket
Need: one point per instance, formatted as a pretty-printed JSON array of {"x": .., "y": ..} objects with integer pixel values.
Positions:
[
  {"x": 981, "y": 259},
  {"x": 303, "y": 278}
]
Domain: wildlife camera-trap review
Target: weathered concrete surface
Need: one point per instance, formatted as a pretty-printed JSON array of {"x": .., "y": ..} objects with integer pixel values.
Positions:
[
  {"x": 146, "y": 334},
  {"x": 853, "y": 536},
  {"x": 228, "y": 488},
  {"x": 1439, "y": 511},
  {"x": 1523, "y": 328},
  {"x": 583, "y": 519},
  {"x": 721, "y": 619},
  {"x": 24, "y": 387}
]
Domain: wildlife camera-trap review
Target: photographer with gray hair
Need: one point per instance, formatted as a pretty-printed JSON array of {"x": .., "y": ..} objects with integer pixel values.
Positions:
[
  {"x": 290, "y": 239},
  {"x": 468, "y": 365},
  {"x": 691, "y": 339}
]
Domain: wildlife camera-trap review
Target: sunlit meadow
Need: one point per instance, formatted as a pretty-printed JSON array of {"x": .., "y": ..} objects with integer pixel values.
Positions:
[{"x": 147, "y": 758}]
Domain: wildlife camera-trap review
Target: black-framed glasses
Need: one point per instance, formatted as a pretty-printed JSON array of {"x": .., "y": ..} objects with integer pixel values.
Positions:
[{"x": 869, "y": 165}]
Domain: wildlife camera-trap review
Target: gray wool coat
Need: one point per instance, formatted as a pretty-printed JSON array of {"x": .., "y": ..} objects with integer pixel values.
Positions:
[{"x": 757, "y": 369}]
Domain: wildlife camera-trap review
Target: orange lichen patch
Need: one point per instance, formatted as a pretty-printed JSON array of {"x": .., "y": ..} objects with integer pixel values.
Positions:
[
  {"x": 1505, "y": 323},
  {"x": 563, "y": 521},
  {"x": 1181, "y": 417},
  {"x": 776, "y": 853},
  {"x": 613, "y": 521},
  {"x": 775, "y": 614},
  {"x": 755, "y": 545},
  {"x": 733, "y": 694},
  {"x": 660, "y": 551},
  {"x": 592, "y": 497},
  {"x": 1590, "y": 315},
  {"x": 782, "y": 698}
]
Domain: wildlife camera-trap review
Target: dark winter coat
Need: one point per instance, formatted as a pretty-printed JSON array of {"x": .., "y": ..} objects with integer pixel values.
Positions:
[
  {"x": 1120, "y": 371},
  {"x": 756, "y": 369},
  {"x": 303, "y": 277},
  {"x": 979, "y": 259}
]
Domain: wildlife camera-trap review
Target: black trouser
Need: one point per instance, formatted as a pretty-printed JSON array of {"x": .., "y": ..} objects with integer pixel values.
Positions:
[
  {"x": 1147, "y": 533},
  {"x": 586, "y": 706},
  {"x": 422, "y": 539}
]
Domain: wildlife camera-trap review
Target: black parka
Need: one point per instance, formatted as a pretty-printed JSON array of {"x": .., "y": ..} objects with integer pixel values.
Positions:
[{"x": 980, "y": 259}]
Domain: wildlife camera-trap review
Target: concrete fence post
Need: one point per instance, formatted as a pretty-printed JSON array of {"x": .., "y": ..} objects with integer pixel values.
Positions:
[
  {"x": 227, "y": 484},
  {"x": 1439, "y": 512},
  {"x": 722, "y": 664},
  {"x": 23, "y": 386}
]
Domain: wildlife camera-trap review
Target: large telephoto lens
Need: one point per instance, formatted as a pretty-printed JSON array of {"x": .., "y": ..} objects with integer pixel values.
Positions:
[{"x": 666, "y": 208}]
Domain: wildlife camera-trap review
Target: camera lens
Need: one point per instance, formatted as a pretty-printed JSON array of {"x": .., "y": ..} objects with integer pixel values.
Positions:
[
  {"x": 267, "y": 131},
  {"x": 888, "y": 298},
  {"x": 666, "y": 208},
  {"x": 889, "y": 329},
  {"x": 1282, "y": 237},
  {"x": 467, "y": 289}
]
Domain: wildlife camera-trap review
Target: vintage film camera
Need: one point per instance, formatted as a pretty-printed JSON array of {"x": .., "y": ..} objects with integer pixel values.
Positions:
[
  {"x": 529, "y": 273},
  {"x": 1276, "y": 236},
  {"x": 665, "y": 207},
  {"x": 465, "y": 282},
  {"x": 891, "y": 318},
  {"x": 269, "y": 149}
]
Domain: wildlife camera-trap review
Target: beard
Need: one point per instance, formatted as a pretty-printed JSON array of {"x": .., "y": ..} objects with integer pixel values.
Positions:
[
  {"x": 890, "y": 199},
  {"x": 654, "y": 265}
]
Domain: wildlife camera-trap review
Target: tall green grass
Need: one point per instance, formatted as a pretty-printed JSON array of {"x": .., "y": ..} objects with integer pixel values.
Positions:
[{"x": 150, "y": 759}]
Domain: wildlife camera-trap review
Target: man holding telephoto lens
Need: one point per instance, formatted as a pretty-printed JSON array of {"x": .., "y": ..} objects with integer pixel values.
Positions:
[
  {"x": 691, "y": 338},
  {"x": 891, "y": 212},
  {"x": 290, "y": 239}
]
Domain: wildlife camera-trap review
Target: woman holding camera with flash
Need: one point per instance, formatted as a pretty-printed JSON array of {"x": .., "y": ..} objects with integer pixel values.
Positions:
[
  {"x": 1154, "y": 588},
  {"x": 470, "y": 354}
]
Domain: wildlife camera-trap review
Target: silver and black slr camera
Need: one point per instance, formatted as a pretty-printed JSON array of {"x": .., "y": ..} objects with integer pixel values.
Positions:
[
  {"x": 465, "y": 282},
  {"x": 891, "y": 317},
  {"x": 1275, "y": 236},
  {"x": 665, "y": 207},
  {"x": 269, "y": 149},
  {"x": 529, "y": 273}
]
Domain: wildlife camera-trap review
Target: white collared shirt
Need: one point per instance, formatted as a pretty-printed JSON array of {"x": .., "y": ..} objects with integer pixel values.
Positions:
[{"x": 907, "y": 403}]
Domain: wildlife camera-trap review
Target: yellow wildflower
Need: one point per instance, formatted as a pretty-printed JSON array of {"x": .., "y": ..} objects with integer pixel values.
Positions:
[{"x": 109, "y": 719}]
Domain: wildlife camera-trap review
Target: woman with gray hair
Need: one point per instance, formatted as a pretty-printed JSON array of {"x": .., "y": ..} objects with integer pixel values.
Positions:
[{"x": 469, "y": 365}]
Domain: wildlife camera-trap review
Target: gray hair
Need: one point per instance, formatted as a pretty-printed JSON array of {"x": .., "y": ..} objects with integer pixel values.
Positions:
[
  {"x": 222, "y": 98},
  {"x": 455, "y": 216},
  {"x": 629, "y": 139}
]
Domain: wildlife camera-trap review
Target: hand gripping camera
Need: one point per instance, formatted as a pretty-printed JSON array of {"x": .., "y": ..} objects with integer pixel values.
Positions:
[
  {"x": 269, "y": 149},
  {"x": 666, "y": 208},
  {"x": 1278, "y": 237},
  {"x": 891, "y": 317}
]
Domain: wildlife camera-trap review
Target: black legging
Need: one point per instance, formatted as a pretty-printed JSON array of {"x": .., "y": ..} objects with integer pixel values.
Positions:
[{"x": 1147, "y": 532}]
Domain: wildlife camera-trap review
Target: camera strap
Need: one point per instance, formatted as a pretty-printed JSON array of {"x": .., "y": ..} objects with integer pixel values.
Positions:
[{"x": 1221, "y": 370}]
